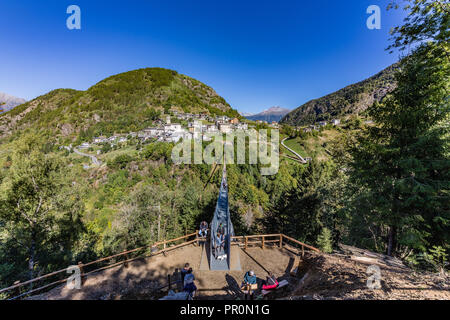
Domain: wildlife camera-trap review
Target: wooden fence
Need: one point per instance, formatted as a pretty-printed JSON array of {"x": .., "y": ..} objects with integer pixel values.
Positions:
[
  {"x": 156, "y": 248},
  {"x": 272, "y": 239},
  {"x": 125, "y": 257}
]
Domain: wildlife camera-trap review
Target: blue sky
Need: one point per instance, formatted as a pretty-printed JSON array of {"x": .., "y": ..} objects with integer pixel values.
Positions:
[{"x": 256, "y": 54}]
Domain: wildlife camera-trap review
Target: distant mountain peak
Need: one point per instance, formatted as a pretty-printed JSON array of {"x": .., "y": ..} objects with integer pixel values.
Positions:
[
  {"x": 275, "y": 110},
  {"x": 9, "y": 101},
  {"x": 246, "y": 114},
  {"x": 270, "y": 115}
]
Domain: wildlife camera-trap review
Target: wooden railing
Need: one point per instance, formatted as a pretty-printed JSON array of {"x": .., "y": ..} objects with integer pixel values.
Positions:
[
  {"x": 125, "y": 256},
  {"x": 242, "y": 241},
  {"x": 265, "y": 239}
]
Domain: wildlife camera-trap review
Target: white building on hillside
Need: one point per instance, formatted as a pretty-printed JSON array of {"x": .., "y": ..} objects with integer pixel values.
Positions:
[
  {"x": 225, "y": 128},
  {"x": 336, "y": 122}
]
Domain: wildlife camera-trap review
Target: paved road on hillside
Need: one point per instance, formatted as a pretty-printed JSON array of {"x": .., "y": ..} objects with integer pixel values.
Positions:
[
  {"x": 94, "y": 159},
  {"x": 299, "y": 156}
]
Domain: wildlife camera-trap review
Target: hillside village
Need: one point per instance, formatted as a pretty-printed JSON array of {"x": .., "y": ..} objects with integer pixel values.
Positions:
[{"x": 180, "y": 126}]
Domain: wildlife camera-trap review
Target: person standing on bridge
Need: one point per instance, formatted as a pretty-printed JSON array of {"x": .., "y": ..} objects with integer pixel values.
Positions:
[
  {"x": 219, "y": 244},
  {"x": 203, "y": 229},
  {"x": 221, "y": 229}
]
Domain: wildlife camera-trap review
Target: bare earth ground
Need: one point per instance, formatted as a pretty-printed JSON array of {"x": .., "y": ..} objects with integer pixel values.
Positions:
[
  {"x": 331, "y": 277},
  {"x": 323, "y": 277}
]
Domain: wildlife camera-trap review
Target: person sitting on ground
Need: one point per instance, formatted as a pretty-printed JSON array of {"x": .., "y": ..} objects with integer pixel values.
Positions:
[
  {"x": 249, "y": 284},
  {"x": 203, "y": 229},
  {"x": 184, "y": 272},
  {"x": 189, "y": 285},
  {"x": 271, "y": 282}
]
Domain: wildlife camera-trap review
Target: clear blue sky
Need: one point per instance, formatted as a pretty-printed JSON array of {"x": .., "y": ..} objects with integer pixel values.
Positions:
[{"x": 256, "y": 54}]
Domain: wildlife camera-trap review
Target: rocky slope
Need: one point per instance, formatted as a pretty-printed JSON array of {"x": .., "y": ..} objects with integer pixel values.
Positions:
[{"x": 352, "y": 99}]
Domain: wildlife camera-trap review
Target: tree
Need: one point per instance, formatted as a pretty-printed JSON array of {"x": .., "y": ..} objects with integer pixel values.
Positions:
[
  {"x": 40, "y": 210},
  {"x": 299, "y": 210},
  {"x": 400, "y": 167},
  {"x": 427, "y": 21},
  {"x": 324, "y": 241}
]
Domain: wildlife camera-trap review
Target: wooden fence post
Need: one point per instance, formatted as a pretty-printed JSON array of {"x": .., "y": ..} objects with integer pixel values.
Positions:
[
  {"x": 303, "y": 251},
  {"x": 125, "y": 263},
  {"x": 281, "y": 241},
  {"x": 170, "y": 284},
  {"x": 80, "y": 266},
  {"x": 16, "y": 291},
  {"x": 262, "y": 242},
  {"x": 246, "y": 243}
]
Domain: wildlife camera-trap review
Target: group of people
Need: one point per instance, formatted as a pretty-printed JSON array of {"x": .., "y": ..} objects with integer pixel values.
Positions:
[
  {"x": 249, "y": 284},
  {"x": 219, "y": 239},
  {"x": 219, "y": 243}
]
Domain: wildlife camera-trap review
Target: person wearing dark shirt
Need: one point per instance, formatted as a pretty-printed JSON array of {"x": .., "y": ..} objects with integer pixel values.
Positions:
[
  {"x": 184, "y": 271},
  {"x": 219, "y": 244},
  {"x": 203, "y": 229},
  {"x": 189, "y": 284}
]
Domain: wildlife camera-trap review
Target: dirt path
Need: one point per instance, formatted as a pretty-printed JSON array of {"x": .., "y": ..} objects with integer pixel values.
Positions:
[
  {"x": 328, "y": 277},
  {"x": 141, "y": 277}
]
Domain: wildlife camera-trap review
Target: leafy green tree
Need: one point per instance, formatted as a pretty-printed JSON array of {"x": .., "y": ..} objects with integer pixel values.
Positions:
[
  {"x": 121, "y": 161},
  {"x": 298, "y": 210},
  {"x": 427, "y": 21},
  {"x": 400, "y": 167},
  {"x": 40, "y": 211}
]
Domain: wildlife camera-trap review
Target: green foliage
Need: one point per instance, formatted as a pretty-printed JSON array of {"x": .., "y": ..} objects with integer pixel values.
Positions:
[
  {"x": 400, "y": 168},
  {"x": 125, "y": 102},
  {"x": 435, "y": 259},
  {"x": 106, "y": 147},
  {"x": 40, "y": 212},
  {"x": 158, "y": 151},
  {"x": 121, "y": 161},
  {"x": 324, "y": 241}
]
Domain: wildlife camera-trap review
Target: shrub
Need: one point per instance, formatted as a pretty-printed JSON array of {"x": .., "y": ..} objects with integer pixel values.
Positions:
[{"x": 324, "y": 241}]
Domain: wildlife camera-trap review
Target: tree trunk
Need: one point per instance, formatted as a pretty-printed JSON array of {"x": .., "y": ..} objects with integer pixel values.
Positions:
[
  {"x": 159, "y": 226},
  {"x": 391, "y": 241},
  {"x": 32, "y": 256}
]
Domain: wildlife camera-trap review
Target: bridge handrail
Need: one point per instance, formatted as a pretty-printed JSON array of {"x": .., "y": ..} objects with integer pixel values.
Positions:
[
  {"x": 280, "y": 237},
  {"x": 263, "y": 237},
  {"x": 82, "y": 265}
]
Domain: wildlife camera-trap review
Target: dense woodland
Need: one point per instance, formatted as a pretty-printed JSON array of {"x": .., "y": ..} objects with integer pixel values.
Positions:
[{"x": 385, "y": 188}]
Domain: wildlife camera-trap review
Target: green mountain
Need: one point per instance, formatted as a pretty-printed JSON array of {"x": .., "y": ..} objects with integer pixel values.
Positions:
[
  {"x": 125, "y": 102},
  {"x": 352, "y": 99}
]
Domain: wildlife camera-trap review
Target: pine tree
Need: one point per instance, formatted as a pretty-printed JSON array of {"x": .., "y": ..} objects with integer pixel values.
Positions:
[
  {"x": 324, "y": 241},
  {"x": 401, "y": 167}
]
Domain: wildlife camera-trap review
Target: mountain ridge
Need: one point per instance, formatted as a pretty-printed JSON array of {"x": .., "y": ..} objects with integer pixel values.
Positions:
[
  {"x": 272, "y": 114},
  {"x": 127, "y": 101},
  {"x": 9, "y": 101},
  {"x": 354, "y": 98}
]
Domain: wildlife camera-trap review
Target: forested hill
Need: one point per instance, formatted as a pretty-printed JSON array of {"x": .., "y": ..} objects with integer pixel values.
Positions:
[
  {"x": 352, "y": 99},
  {"x": 125, "y": 102}
]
